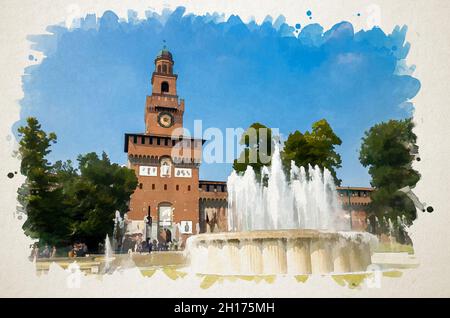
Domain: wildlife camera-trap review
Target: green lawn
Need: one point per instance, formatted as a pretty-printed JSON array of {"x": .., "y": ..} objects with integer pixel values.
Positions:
[{"x": 394, "y": 248}]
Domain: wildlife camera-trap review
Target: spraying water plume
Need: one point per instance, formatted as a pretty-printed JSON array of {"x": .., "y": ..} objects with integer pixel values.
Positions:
[{"x": 307, "y": 201}]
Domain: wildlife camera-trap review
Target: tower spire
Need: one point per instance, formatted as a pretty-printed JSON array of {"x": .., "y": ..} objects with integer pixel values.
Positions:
[{"x": 164, "y": 112}]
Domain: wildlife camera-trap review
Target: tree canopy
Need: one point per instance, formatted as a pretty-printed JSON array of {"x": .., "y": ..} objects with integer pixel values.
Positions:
[
  {"x": 258, "y": 146},
  {"x": 38, "y": 194},
  {"x": 314, "y": 148},
  {"x": 63, "y": 203},
  {"x": 387, "y": 149}
]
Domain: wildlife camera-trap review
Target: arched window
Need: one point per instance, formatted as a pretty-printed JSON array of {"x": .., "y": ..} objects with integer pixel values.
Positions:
[
  {"x": 164, "y": 68},
  {"x": 170, "y": 69},
  {"x": 159, "y": 68},
  {"x": 164, "y": 87}
]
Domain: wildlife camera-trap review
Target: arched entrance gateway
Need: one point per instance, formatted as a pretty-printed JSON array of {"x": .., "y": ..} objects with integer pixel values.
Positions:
[{"x": 165, "y": 222}]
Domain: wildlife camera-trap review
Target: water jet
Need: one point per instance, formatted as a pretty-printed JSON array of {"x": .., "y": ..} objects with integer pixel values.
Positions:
[{"x": 282, "y": 226}]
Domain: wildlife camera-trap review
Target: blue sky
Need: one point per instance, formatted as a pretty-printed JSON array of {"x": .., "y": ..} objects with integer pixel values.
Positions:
[{"x": 90, "y": 88}]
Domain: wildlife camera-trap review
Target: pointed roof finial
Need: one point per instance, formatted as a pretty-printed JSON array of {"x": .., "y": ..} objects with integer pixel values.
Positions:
[{"x": 164, "y": 53}]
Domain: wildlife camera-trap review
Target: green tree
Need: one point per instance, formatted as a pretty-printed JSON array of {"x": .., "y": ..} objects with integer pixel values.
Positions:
[
  {"x": 315, "y": 148},
  {"x": 64, "y": 204},
  {"x": 387, "y": 150},
  {"x": 39, "y": 194},
  {"x": 258, "y": 147},
  {"x": 101, "y": 188}
]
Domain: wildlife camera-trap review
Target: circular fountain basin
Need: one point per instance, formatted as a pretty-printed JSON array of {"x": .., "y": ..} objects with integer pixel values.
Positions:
[{"x": 295, "y": 252}]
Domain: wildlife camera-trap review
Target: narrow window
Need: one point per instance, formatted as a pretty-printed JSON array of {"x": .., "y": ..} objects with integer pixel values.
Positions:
[
  {"x": 153, "y": 186},
  {"x": 165, "y": 187},
  {"x": 178, "y": 187},
  {"x": 164, "y": 87},
  {"x": 189, "y": 188}
]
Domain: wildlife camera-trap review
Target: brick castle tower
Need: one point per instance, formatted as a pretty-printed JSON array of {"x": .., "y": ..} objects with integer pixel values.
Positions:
[{"x": 166, "y": 162}]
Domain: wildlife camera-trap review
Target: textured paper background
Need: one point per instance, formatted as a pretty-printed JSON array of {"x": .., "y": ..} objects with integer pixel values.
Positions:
[{"x": 429, "y": 26}]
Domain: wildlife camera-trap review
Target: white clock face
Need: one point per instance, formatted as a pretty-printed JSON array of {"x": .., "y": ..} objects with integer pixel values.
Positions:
[{"x": 165, "y": 119}]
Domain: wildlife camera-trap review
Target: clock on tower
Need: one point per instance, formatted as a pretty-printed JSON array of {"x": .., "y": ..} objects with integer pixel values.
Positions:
[{"x": 165, "y": 119}]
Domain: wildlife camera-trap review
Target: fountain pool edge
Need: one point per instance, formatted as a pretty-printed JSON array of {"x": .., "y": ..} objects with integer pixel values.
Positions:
[{"x": 272, "y": 252}]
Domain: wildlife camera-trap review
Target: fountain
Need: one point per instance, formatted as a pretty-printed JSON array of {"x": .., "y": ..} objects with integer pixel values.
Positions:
[
  {"x": 282, "y": 227},
  {"x": 107, "y": 268},
  {"x": 391, "y": 231},
  {"x": 118, "y": 232}
]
